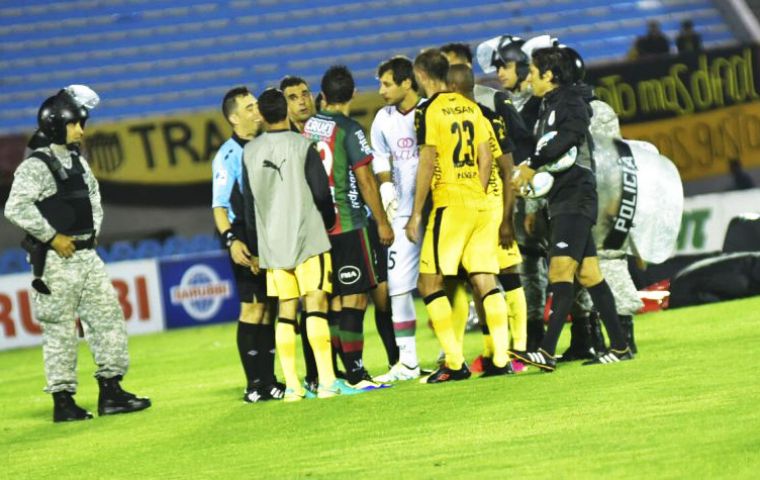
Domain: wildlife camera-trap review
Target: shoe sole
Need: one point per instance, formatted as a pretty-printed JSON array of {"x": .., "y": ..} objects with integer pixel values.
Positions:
[
  {"x": 525, "y": 359},
  {"x": 120, "y": 410}
]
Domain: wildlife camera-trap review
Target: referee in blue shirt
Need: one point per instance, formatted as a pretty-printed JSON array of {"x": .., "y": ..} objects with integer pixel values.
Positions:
[{"x": 255, "y": 333}]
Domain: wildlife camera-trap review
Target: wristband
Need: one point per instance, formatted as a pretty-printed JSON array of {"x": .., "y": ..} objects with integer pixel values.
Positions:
[{"x": 228, "y": 236}]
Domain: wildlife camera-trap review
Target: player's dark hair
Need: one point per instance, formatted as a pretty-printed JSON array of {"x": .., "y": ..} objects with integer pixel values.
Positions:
[
  {"x": 273, "y": 106},
  {"x": 556, "y": 60},
  {"x": 292, "y": 81},
  {"x": 433, "y": 63},
  {"x": 402, "y": 69},
  {"x": 461, "y": 79},
  {"x": 461, "y": 50},
  {"x": 338, "y": 84},
  {"x": 229, "y": 104}
]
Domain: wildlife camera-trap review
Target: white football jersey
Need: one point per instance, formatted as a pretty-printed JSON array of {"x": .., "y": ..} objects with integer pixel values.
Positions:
[{"x": 394, "y": 139}]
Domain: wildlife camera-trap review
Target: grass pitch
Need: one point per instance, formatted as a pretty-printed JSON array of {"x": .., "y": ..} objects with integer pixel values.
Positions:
[{"x": 687, "y": 407}]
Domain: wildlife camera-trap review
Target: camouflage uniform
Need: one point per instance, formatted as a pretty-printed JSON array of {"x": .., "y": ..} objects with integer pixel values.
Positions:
[
  {"x": 533, "y": 269},
  {"x": 79, "y": 285}
]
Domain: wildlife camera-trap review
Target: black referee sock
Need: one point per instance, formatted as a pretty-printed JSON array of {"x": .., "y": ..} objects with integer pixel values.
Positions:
[
  {"x": 266, "y": 350},
  {"x": 249, "y": 352},
  {"x": 562, "y": 301},
  {"x": 604, "y": 302},
  {"x": 352, "y": 342},
  {"x": 308, "y": 353},
  {"x": 384, "y": 325}
]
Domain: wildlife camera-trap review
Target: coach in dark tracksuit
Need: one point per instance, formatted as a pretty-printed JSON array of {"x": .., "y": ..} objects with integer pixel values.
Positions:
[{"x": 572, "y": 206}]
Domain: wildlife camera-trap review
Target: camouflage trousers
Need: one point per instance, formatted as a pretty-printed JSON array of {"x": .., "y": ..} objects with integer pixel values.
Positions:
[
  {"x": 614, "y": 266},
  {"x": 80, "y": 287},
  {"x": 533, "y": 276}
]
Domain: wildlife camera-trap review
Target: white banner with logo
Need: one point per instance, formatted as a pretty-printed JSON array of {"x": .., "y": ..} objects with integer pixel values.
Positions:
[
  {"x": 706, "y": 218},
  {"x": 136, "y": 284}
]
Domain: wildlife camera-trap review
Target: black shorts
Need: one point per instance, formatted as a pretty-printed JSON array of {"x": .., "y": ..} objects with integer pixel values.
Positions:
[
  {"x": 251, "y": 288},
  {"x": 353, "y": 262},
  {"x": 570, "y": 236},
  {"x": 380, "y": 251}
]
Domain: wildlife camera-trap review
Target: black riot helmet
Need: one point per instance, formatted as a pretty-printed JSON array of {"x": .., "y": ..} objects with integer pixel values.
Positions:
[
  {"x": 576, "y": 64},
  {"x": 56, "y": 112},
  {"x": 510, "y": 50}
]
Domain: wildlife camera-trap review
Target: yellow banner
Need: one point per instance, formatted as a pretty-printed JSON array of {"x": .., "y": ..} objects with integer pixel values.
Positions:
[
  {"x": 702, "y": 144},
  {"x": 157, "y": 151}
]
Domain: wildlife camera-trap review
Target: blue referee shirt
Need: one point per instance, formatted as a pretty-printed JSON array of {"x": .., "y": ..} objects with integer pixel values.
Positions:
[{"x": 227, "y": 170}]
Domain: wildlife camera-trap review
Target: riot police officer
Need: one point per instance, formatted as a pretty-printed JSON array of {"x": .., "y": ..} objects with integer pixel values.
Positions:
[{"x": 55, "y": 200}]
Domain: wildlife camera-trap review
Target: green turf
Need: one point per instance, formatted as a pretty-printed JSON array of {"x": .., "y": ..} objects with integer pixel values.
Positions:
[{"x": 687, "y": 407}]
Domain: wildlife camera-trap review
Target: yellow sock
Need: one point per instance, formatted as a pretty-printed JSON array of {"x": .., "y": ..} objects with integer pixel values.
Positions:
[
  {"x": 496, "y": 318},
  {"x": 460, "y": 308},
  {"x": 285, "y": 338},
  {"x": 487, "y": 341},
  {"x": 319, "y": 339},
  {"x": 439, "y": 310},
  {"x": 518, "y": 318}
]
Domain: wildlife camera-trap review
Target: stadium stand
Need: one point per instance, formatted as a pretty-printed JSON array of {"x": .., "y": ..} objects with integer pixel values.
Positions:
[
  {"x": 169, "y": 56},
  {"x": 13, "y": 260}
]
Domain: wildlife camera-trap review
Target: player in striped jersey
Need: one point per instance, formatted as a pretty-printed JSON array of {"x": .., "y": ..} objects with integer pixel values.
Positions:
[{"x": 347, "y": 156}]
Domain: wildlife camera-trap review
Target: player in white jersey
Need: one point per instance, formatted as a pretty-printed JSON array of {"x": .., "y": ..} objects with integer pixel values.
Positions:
[{"x": 394, "y": 144}]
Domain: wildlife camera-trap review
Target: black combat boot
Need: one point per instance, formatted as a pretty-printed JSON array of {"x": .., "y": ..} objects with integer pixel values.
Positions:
[
  {"x": 581, "y": 347},
  {"x": 113, "y": 399},
  {"x": 626, "y": 321},
  {"x": 66, "y": 410}
]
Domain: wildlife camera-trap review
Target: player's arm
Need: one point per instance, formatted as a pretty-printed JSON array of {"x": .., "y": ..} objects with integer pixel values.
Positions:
[
  {"x": 425, "y": 170},
  {"x": 371, "y": 195},
  {"x": 518, "y": 133},
  {"x": 319, "y": 184},
  {"x": 572, "y": 125},
  {"x": 360, "y": 158},
  {"x": 381, "y": 165},
  {"x": 506, "y": 230},
  {"x": 221, "y": 188},
  {"x": 488, "y": 148},
  {"x": 428, "y": 155}
]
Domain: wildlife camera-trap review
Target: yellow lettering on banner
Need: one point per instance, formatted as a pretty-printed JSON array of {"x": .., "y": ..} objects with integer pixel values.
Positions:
[
  {"x": 158, "y": 151},
  {"x": 701, "y": 144},
  {"x": 684, "y": 90}
]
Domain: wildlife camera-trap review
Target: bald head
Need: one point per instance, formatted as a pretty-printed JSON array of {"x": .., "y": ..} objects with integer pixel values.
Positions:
[{"x": 460, "y": 79}]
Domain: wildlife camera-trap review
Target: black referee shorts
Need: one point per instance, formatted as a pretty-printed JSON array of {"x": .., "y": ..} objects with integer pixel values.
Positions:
[
  {"x": 251, "y": 288},
  {"x": 571, "y": 237}
]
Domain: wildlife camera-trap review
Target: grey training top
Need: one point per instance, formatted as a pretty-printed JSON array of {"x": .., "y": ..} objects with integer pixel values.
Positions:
[{"x": 288, "y": 182}]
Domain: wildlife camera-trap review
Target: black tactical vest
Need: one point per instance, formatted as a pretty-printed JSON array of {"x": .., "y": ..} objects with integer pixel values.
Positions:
[{"x": 69, "y": 210}]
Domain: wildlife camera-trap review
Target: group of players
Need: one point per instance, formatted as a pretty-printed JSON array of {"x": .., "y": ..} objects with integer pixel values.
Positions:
[{"x": 314, "y": 213}]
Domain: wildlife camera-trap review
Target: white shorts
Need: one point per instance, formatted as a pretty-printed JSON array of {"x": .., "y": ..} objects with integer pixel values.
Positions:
[{"x": 403, "y": 259}]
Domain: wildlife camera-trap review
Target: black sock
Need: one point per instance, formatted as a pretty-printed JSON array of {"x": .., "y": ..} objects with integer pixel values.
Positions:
[
  {"x": 249, "y": 352},
  {"x": 266, "y": 348},
  {"x": 562, "y": 301},
  {"x": 308, "y": 353},
  {"x": 605, "y": 305},
  {"x": 333, "y": 321},
  {"x": 384, "y": 325},
  {"x": 352, "y": 342}
]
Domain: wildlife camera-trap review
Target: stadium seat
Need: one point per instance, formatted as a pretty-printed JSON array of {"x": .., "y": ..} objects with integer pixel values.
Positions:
[
  {"x": 120, "y": 251},
  {"x": 13, "y": 260},
  {"x": 148, "y": 248},
  {"x": 139, "y": 54}
]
